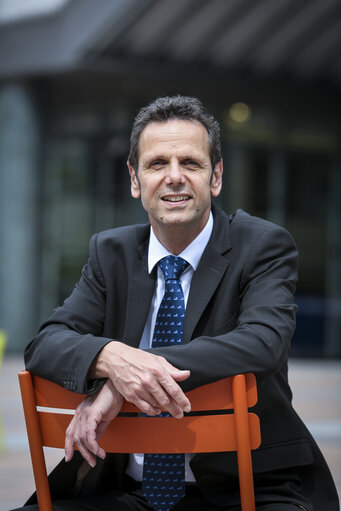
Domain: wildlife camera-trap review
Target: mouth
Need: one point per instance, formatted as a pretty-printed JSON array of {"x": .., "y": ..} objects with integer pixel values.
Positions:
[{"x": 176, "y": 198}]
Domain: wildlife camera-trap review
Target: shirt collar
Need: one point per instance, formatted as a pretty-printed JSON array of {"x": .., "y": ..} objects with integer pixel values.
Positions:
[{"x": 192, "y": 253}]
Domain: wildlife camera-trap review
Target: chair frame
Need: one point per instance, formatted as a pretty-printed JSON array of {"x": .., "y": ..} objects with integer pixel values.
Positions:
[{"x": 47, "y": 407}]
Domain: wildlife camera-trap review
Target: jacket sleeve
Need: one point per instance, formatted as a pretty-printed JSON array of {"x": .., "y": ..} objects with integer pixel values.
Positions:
[
  {"x": 265, "y": 324},
  {"x": 69, "y": 341}
]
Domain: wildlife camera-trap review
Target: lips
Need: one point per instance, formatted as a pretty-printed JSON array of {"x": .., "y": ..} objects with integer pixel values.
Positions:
[{"x": 175, "y": 198}]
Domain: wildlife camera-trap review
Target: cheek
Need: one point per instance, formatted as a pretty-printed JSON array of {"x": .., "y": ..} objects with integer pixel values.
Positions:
[
  {"x": 150, "y": 187},
  {"x": 202, "y": 187},
  {"x": 148, "y": 195}
]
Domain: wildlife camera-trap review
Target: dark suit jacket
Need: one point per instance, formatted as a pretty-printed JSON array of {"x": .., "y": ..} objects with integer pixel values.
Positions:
[{"x": 240, "y": 317}]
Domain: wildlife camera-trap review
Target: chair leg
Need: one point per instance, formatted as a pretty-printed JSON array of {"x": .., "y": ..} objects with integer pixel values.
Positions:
[
  {"x": 247, "y": 495},
  {"x": 35, "y": 442}
]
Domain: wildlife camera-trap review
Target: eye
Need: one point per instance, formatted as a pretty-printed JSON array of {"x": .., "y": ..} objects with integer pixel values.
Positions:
[
  {"x": 157, "y": 163},
  {"x": 190, "y": 163}
]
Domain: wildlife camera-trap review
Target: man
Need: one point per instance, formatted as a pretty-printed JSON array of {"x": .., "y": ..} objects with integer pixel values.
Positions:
[{"x": 237, "y": 283}]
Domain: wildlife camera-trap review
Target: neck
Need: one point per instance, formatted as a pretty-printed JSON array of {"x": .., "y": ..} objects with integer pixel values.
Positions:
[{"x": 176, "y": 238}]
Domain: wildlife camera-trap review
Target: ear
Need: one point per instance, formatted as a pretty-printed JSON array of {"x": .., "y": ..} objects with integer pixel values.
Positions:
[
  {"x": 134, "y": 183},
  {"x": 216, "y": 180}
]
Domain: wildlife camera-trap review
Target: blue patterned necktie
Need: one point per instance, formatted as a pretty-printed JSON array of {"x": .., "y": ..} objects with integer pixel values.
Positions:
[{"x": 163, "y": 481}]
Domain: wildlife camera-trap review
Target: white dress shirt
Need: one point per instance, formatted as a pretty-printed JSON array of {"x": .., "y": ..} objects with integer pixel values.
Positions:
[{"x": 156, "y": 251}]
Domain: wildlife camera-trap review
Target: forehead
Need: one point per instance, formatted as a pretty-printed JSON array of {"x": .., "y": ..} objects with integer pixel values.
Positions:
[{"x": 172, "y": 135}]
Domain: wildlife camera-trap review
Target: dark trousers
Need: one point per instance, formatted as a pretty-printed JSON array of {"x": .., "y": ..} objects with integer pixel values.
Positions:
[
  {"x": 131, "y": 498},
  {"x": 134, "y": 501},
  {"x": 278, "y": 490}
]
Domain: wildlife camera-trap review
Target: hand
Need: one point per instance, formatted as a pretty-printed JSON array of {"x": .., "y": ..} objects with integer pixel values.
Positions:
[
  {"x": 146, "y": 380},
  {"x": 90, "y": 421}
]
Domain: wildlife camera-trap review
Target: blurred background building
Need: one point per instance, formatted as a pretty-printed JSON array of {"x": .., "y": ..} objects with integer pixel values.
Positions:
[{"x": 73, "y": 74}]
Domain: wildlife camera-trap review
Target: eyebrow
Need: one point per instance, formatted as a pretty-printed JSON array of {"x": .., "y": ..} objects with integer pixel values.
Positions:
[{"x": 162, "y": 156}]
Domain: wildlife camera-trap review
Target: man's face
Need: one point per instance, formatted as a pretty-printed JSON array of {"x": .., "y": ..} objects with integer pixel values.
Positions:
[{"x": 175, "y": 179}]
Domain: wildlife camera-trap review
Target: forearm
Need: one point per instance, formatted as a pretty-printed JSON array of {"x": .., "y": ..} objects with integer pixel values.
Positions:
[
  {"x": 110, "y": 356},
  {"x": 246, "y": 349},
  {"x": 144, "y": 379},
  {"x": 264, "y": 319},
  {"x": 90, "y": 421},
  {"x": 63, "y": 355}
]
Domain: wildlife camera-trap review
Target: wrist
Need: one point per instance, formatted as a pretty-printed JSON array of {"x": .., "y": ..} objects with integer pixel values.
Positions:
[
  {"x": 100, "y": 367},
  {"x": 111, "y": 387}
]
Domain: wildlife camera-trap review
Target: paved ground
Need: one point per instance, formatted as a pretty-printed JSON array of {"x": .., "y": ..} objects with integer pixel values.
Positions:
[{"x": 317, "y": 391}]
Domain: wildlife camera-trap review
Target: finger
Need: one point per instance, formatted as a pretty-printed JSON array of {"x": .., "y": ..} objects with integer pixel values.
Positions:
[
  {"x": 166, "y": 402},
  {"x": 143, "y": 394},
  {"x": 174, "y": 372},
  {"x": 86, "y": 454},
  {"x": 181, "y": 375},
  {"x": 158, "y": 399},
  {"x": 171, "y": 375},
  {"x": 174, "y": 410},
  {"x": 158, "y": 394},
  {"x": 69, "y": 444},
  {"x": 176, "y": 394},
  {"x": 81, "y": 440},
  {"x": 146, "y": 408},
  {"x": 160, "y": 391},
  {"x": 90, "y": 440},
  {"x": 75, "y": 436}
]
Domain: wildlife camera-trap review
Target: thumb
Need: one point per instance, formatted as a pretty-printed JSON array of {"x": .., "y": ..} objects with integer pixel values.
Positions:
[{"x": 181, "y": 375}]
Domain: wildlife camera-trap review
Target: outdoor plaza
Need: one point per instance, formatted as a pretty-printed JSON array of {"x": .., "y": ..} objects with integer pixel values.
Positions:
[{"x": 317, "y": 398}]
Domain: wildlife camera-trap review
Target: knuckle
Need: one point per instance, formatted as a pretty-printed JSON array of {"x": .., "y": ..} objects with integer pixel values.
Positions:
[
  {"x": 130, "y": 395},
  {"x": 76, "y": 435},
  {"x": 174, "y": 391},
  {"x": 70, "y": 428},
  {"x": 158, "y": 370},
  {"x": 165, "y": 401},
  {"x": 147, "y": 380},
  {"x": 171, "y": 387},
  {"x": 144, "y": 406},
  {"x": 149, "y": 410},
  {"x": 88, "y": 432}
]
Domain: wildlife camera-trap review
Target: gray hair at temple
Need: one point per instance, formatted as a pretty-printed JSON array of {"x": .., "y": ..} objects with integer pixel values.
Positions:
[{"x": 172, "y": 108}]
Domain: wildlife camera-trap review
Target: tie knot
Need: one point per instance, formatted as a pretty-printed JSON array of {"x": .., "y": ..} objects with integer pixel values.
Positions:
[{"x": 172, "y": 267}]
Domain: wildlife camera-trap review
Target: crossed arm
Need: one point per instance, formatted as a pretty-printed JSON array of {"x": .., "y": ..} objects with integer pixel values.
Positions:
[
  {"x": 71, "y": 345},
  {"x": 146, "y": 380}
]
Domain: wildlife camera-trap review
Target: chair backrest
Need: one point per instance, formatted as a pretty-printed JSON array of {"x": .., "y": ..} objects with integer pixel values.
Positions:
[{"x": 48, "y": 408}]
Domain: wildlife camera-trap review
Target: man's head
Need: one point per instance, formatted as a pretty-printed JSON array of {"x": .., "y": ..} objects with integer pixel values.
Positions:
[
  {"x": 170, "y": 108},
  {"x": 174, "y": 142}
]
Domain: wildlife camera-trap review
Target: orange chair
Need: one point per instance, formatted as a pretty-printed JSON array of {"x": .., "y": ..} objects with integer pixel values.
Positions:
[{"x": 238, "y": 431}]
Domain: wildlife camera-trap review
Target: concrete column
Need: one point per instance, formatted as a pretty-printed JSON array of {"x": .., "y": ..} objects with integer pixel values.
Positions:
[
  {"x": 236, "y": 188},
  {"x": 276, "y": 187},
  {"x": 19, "y": 155},
  {"x": 332, "y": 346}
]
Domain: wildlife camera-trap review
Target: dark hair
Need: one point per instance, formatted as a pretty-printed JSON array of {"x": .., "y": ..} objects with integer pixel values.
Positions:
[{"x": 170, "y": 108}]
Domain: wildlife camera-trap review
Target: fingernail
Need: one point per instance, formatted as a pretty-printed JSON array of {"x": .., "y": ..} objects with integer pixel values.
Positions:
[{"x": 187, "y": 408}]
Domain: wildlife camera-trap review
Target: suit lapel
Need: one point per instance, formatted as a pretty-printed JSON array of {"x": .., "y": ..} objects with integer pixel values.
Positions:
[
  {"x": 211, "y": 269},
  {"x": 140, "y": 293},
  {"x": 208, "y": 275}
]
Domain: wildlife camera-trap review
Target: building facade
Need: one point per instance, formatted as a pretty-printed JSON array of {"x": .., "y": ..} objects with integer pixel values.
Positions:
[{"x": 70, "y": 84}]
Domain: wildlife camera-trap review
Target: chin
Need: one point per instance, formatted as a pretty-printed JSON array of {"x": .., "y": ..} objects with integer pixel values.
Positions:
[
  {"x": 174, "y": 217},
  {"x": 180, "y": 222}
]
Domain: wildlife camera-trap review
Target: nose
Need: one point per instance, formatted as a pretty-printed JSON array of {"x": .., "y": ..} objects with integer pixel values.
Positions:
[{"x": 175, "y": 173}]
